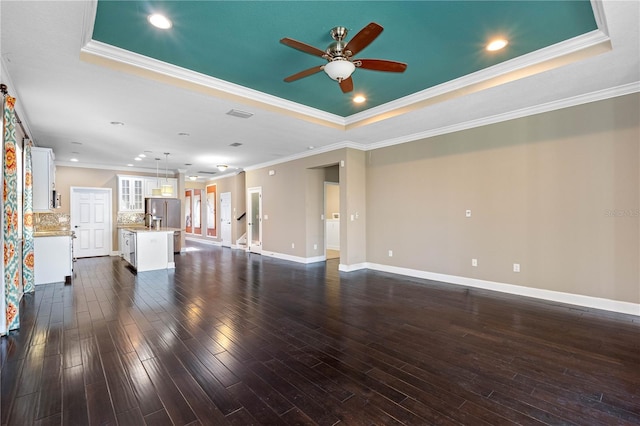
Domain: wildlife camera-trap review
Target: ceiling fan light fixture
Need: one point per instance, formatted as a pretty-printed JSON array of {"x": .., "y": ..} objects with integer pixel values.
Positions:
[{"x": 339, "y": 69}]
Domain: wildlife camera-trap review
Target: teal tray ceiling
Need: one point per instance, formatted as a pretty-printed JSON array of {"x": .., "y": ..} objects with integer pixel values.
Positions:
[{"x": 238, "y": 41}]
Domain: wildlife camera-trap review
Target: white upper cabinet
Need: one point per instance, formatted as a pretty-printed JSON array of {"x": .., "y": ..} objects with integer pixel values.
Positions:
[
  {"x": 43, "y": 177},
  {"x": 130, "y": 193},
  {"x": 132, "y": 190},
  {"x": 152, "y": 183}
]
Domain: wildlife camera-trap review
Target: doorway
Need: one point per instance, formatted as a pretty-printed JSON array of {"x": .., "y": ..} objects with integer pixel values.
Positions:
[
  {"x": 254, "y": 222},
  {"x": 225, "y": 218},
  {"x": 91, "y": 221},
  {"x": 332, "y": 220}
]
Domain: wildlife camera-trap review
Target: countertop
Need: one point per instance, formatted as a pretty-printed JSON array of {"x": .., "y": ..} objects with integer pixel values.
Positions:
[{"x": 144, "y": 229}]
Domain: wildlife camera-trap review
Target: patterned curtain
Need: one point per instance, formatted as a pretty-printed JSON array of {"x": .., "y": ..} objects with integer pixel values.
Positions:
[
  {"x": 10, "y": 216},
  {"x": 28, "y": 278}
]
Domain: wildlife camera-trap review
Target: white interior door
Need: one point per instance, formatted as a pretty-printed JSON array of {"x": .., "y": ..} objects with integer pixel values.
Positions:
[
  {"x": 225, "y": 218},
  {"x": 254, "y": 219},
  {"x": 91, "y": 221}
]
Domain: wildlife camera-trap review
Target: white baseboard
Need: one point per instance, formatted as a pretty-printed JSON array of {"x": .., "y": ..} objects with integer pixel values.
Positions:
[
  {"x": 204, "y": 241},
  {"x": 350, "y": 268},
  {"x": 298, "y": 259},
  {"x": 551, "y": 295}
]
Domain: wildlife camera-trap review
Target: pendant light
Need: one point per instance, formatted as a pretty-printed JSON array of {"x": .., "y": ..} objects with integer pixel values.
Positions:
[
  {"x": 166, "y": 189},
  {"x": 157, "y": 191}
]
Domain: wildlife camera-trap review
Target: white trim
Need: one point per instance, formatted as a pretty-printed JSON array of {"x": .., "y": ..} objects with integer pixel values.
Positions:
[
  {"x": 291, "y": 258},
  {"x": 596, "y": 96},
  {"x": 117, "y": 54},
  {"x": 519, "y": 63},
  {"x": 576, "y": 44},
  {"x": 512, "y": 115},
  {"x": 203, "y": 240},
  {"x": 551, "y": 295},
  {"x": 350, "y": 268}
]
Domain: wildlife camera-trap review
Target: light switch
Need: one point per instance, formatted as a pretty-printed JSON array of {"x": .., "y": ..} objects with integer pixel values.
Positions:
[{"x": 468, "y": 213}]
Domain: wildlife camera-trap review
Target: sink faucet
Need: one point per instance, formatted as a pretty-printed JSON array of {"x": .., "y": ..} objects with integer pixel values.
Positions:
[{"x": 150, "y": 220}]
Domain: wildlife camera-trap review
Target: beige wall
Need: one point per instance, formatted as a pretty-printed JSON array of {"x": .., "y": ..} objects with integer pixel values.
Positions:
[
  {"x": 558, "y": 193},
  {"x": 236, "y": 186},
  {"x": 292, "y": 199},
  {"x": 541, "y": 189},
  {"x": 66, "y": 177}
]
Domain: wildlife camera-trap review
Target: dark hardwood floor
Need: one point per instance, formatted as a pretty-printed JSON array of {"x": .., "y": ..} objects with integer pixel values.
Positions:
[{"x": 239, "y": 339}]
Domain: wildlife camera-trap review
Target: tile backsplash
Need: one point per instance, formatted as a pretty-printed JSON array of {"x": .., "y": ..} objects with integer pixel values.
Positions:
[
  {"x": 62, "y": 221},
  {"x": 125, "y": 218},
  {"x": 52, "y": 221}
]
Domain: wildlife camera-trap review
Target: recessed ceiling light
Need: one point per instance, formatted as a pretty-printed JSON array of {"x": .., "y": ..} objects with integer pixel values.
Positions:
[
  {"x": 130, "y": 165},
  {"x": 117, "y": 123},
  {"x": 311, "y": 147},
  {"x": 359, "y": 99},
  {"x": 75, "y": 160},
  {"x": 141, "y": 155},
  {"x": 138, "y": 159},
  {"x": 497, "y": 44},
  {"x": 160, "y": 21}
]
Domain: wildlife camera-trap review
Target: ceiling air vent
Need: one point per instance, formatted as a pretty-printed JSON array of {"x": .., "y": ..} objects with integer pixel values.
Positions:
[
  {"x": 240, "y": 114},
  {"x": 205, "y": 172},
  {"x": 235, "y": 144}
]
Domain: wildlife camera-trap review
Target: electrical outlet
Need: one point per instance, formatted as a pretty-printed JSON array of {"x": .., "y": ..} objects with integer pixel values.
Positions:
[
  {"x": 266, "y": 217},
  {"x": 474, "y": 262},
  {"x": 293, "y": 245},
  {"x": 516, "y": 267},
  {"x": 315, "y": 247},
  {"x": 390, "y": 253}
]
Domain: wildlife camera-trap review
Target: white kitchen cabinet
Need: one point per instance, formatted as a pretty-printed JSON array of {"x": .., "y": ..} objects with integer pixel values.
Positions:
[
  {"x": 130, "y": 193},
  {"x": 53, "y": 261},
  {"x": 151, "y": 183},
  {"x": 43, "y": 178}
]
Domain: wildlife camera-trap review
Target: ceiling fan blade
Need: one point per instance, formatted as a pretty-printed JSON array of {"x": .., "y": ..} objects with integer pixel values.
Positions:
[
  {"x": 304, "y": 73},
  {"x": 302, "y": 47},
  {"x": 364, "y": 38},
  {"x": 381, "y": 65},
  {"x": 346, "y": 85}
]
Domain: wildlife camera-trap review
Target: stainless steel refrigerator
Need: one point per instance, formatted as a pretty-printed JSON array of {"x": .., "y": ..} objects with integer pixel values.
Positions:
[{"x": 166, "y": 212}]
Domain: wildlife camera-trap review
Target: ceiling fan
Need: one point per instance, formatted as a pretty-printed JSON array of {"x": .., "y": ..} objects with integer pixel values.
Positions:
[{"x": 340, "y": 55}]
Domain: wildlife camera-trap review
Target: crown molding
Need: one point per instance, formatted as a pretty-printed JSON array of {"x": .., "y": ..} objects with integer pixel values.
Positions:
[
  {"x": 123, "y": 59},
  {"x": 511, "y": 115},
  {"x": 559, "y": 54}
]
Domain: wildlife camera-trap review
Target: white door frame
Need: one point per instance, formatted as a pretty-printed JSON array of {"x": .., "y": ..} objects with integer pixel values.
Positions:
[
  {"x": 251, "y": 217},
  {"x": 225, "y": 216},
  {"x": 74, "y": 190}
]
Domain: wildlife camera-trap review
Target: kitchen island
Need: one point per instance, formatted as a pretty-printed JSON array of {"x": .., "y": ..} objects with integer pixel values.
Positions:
[{"x": 148, "y": 249}]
